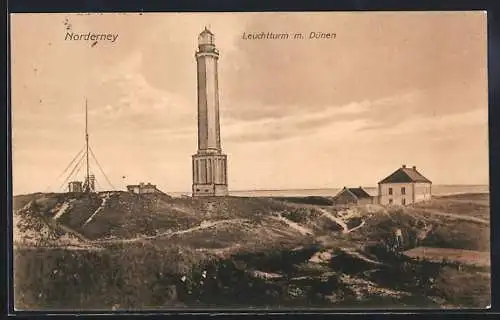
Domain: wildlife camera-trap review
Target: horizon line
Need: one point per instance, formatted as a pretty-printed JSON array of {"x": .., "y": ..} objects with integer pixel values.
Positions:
[
  {"x": 265, "y": 190},
  {"x": 333, "y": 188}
]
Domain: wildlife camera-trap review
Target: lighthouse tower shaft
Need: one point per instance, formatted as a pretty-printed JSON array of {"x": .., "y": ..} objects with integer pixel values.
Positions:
[{"x": 209, "y": 163}]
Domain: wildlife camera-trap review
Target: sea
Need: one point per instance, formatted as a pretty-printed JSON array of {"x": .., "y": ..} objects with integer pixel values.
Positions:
[{"x": 437, "y": 190}]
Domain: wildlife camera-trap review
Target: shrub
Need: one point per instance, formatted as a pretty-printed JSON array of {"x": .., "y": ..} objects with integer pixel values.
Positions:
[
  {"x": 314, "y": 200},
  {"x": 459, "y": 235},
  {"x": 465, "y": 289},
  {"x": 131, "y": 276},
  {"x": 354, "y": 222},
  {"x": 298, "y": 216}
]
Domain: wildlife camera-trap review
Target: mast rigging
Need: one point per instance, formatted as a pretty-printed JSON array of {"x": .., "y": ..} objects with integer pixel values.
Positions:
[
  {"x": 83, "y": 156},
  {"x": 87, "y": 178}
]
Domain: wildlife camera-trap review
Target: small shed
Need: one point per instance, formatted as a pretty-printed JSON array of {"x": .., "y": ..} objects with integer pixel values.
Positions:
[
  {"x": 353, "y": 196},
  {"x": 143, "y": 188},
  {"x": 75, "y": 186}
]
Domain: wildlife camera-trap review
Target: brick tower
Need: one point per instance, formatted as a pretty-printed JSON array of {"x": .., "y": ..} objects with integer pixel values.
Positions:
[{"x": 209, "y": 163}]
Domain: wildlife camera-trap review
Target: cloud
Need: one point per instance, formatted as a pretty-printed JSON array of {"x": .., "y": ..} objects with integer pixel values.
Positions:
[
  {"x": 356, "y": 122},
  {"x": 290, "y": 126},
  {"x": 272, "y": 129},
  {"x": 374, "y": 56},
  {"x": 330, "y": 120},
  {"x": 438, "y": 125},
  {"x": 126, "y": 101}
]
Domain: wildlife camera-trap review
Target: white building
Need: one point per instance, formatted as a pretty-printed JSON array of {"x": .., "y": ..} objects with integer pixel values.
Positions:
[
  {"x": 404, "y": 186},
  {"x": 143, "y": 188}
]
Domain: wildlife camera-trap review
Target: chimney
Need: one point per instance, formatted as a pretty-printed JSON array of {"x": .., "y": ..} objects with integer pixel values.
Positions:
[
  {"x": 404, "y": 166},
  {"x": 414, "y": 167}
]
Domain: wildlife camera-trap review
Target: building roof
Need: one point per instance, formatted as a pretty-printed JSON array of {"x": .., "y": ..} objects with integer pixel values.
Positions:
[
  {"x": 359, "y": 193},
  {"x": 405, "y": 174},
  {"x": 141, "y": 185}
]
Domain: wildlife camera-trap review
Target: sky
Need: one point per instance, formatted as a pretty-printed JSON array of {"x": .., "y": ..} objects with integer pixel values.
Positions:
[{"x": 390, "y": 89}]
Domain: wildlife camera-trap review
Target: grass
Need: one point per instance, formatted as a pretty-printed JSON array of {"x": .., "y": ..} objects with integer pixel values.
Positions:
[
  {"x": 132, "y": 276},
  {"x": 464, "y": 288},
  {"x": 468, "y": 257},
  {"x": 459, "y": 235},
  {"x": 147, "y": 274},
  {"x": 137, "y": 276},
  {"x": 312, "y": 200},
  {"x": 474, "y": 205},
  {"x": 127, "y": 215}
]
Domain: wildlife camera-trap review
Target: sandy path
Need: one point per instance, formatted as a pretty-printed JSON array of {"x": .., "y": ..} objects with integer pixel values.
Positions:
[
  {"x": 203, "y": 225},
  {"x": 358, "y": 255},
  {"x": 301, "y": 229},
  {"x": 101, "y": 207},
  {"x": 69, "y": 230},
  {"x": 471, "y": 257},
  {"x": 27, "y": 206},
  {"x": 51, "y": 223},
  {"x": 362, "y": 286},
  {"x": 62, "y": 210},
  {"x": 220, "y": 251},
  {"x": 356, "y": 227},
  {"x": 340, "y": 222},
  {"x": 265, "y": 275},
  {"x": 454, "y": 216}
]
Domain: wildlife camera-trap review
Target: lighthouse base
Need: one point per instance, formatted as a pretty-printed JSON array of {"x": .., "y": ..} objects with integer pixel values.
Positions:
[
  {"x": 210, "y": 175},
  {"x": 209, "y": 190}
]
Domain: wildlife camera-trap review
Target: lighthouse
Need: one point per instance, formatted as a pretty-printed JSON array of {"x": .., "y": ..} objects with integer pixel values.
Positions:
[{"x": 209, "y": 163}]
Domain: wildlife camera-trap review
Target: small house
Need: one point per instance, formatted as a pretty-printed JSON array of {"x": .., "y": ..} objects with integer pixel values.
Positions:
[
  {"x": 404, "y": 186},
  {"x": 75, "y": 186},
  {"x": 143, "y": 188},
  {"x": 353, "y": 196}
]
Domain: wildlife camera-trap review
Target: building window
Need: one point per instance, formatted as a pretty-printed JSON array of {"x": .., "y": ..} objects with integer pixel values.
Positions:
[
  {"x": 390, "y": 201},
  {"x": 403, "y": 201},
  {"x": 403, "y": 190},
  {"x": 390, "y": 191}
]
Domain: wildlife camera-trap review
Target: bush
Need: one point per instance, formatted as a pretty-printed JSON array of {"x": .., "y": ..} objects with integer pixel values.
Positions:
[
  {"x": 298, "y": 216},
  {"x": 314, "y": 200},
  {"x": 131, "y": 276},
  {"x": 354, "y": 222},
  {"x": 276, "y": 259},
  {"x": 459, "y": 235},
  {"x": 464, "y": 288},
  {"x": 404, "y": 273}
]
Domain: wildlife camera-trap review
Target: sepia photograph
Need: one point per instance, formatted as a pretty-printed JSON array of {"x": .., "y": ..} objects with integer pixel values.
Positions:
[{"x": 305, "y": 160}]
